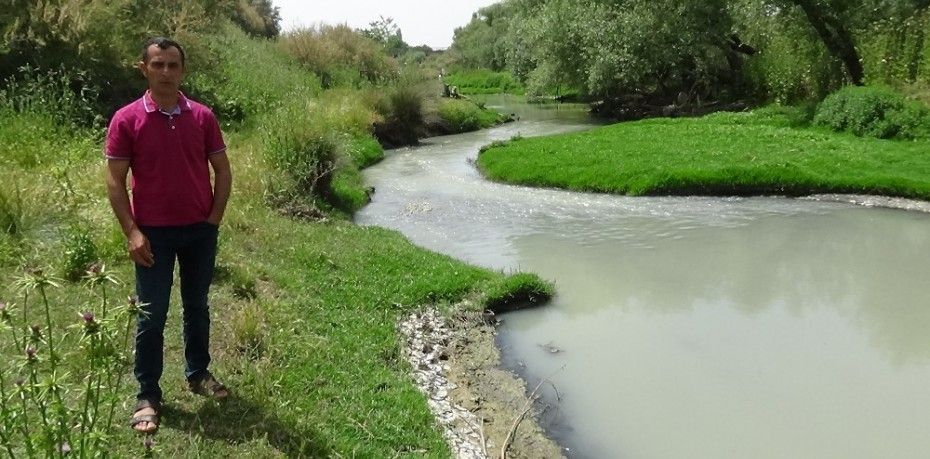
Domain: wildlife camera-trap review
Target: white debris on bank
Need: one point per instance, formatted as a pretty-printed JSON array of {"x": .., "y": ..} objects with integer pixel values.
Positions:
[
  {"x": 874, "y": 201},
  {"x": 426, "y": 336}
]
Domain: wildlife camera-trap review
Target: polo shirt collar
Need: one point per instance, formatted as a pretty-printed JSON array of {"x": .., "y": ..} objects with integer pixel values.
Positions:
[{"x": 150, "y": 106}]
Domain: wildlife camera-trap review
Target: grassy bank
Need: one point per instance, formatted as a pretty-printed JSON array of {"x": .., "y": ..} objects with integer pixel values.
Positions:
[
  {"x": 768, "y": 151},
  {"x": 304, "y": 312},
  {"x": 483, "y": 81}
]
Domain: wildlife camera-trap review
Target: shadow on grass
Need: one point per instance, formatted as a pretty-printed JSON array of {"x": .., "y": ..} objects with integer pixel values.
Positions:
[{"x": 239, "y": 420}]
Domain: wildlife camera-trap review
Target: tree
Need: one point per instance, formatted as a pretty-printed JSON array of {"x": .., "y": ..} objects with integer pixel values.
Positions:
[
  {"x": 835, "y": 34},
  {"x": 386, "y": 32}
]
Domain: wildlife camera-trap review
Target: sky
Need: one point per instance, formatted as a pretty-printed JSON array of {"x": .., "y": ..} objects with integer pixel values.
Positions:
[{"x": 422, "y": 22}]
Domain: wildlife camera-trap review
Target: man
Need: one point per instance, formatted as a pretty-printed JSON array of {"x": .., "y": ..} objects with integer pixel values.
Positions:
[{"x": 170, "y": 143}]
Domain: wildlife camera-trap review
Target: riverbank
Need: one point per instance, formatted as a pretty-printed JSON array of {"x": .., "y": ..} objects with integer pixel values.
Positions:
[
  {"x": 304, "y": 311},
  {"x": 749, "y": 153}
]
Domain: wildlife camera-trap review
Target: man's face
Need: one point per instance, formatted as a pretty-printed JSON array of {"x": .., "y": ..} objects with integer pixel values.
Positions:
[{"x": 164, "y": 70}]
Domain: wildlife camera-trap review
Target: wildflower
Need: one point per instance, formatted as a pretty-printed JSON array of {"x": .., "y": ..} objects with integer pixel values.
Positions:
[
  {"x": 133, "y": 304},
  {"x": 94, "y": 269},
  {"x": 149, "y": 442},
  {"x": 36, "y": 331},
  {"x": 65, "y": 448},
  {"x": 19, "y": 381},
  {"x": 30, "y": 352},
  {"x": 90, "y": 323}
]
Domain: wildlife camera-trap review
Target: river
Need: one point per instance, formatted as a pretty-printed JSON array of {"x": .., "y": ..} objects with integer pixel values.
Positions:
[{"x": 698, "y": 327}]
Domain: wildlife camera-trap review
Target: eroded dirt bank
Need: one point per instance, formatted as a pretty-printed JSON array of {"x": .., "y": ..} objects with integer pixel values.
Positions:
[{"x": 482, "y": 408}]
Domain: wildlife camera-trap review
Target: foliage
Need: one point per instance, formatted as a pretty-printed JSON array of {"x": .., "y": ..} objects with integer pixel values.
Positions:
[
  {"x": 340, "y": 56},
  {"x": 64, "y": 95},
  {"x": 241, "y": 78},
  {"x": 301, "y": 149},
  {"x": 875, "y": 112},
  {"x": 80, "y": 252},
  {"x": 483, "y": 42},
  {"x": 258, "y": 18},
  {"x": 763, "y": 154},
  {"x": 401, "y": 109},
  {"x": 386, "y": 32},
  {"x": 464, "y": 115}
]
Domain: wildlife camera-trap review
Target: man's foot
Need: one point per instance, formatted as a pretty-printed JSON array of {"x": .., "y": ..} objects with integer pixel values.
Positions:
[
  {"x": 145, "y": 416},
  {"x": 208, "y": 386}
]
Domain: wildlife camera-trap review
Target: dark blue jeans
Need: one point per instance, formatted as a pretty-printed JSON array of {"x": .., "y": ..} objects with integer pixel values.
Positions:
[{"x": 194, "y": 247}]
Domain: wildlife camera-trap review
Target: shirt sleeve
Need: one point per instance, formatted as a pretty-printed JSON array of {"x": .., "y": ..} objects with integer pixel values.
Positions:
[
  {"x": 119, "y": 141},
  {"x": 213, "y": 137}
]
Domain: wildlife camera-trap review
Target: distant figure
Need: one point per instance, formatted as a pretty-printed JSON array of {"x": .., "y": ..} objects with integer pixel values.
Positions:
[{"x": 169, "y": 143}]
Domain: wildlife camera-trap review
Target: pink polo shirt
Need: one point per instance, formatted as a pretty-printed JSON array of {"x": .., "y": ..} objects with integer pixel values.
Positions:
[{"x": 168, "y": 157}]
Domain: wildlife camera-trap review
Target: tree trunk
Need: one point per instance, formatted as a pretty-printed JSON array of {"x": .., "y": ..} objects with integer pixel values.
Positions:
[{"x": 835, "y": 36}]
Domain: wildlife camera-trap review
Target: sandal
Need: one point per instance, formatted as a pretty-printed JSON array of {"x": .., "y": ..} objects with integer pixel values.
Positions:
[
  {"x": 137, "y": 419},
  {"x": 208, "y": 386}
]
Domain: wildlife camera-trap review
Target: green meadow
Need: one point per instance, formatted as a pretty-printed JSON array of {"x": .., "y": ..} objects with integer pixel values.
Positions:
[{"x": 766, "y": 151}]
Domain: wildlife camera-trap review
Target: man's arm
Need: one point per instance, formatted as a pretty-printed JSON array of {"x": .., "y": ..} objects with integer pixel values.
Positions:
[
  {"x": 139, "y": 249},
  {"x": 222, "y": 186}
]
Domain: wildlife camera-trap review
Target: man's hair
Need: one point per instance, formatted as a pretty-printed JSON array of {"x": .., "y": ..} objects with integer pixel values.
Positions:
[{"x": 162, "y": 43}]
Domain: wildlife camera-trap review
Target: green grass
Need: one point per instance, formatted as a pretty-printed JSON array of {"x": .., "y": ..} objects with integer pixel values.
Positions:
[
  {"x": 304, "y": 313},
  {"x": 763, "y": 152},
  {"x": 483, "y": 81}
]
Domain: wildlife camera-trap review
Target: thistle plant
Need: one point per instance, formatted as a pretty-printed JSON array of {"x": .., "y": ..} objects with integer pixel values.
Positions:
[{"x": 59, "y": 396}]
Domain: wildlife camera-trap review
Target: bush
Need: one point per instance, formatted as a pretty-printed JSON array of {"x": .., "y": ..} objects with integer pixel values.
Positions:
[
  {"x": 340, "y": 56},
  {"x": 464, "y": 116},
  {"x": 300, "y": 145},
  {"x": 875, "y": 112},
  {"x": 80, "y": 252},
  {"x": 402, "y": 116}
]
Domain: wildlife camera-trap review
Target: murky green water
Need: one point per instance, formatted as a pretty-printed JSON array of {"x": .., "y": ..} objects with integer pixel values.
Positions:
[{"x": 691, "y": 327}]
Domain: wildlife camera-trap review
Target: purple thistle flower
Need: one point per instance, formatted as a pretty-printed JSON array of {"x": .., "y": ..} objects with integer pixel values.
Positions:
[
  {"x": 30, "y": 352},
  {"x": 149, "y": 442},
  {"x": 19, "y": 381},
  {"x": 94, "y": 269},
  {"x": 133, "y": 300},
  {"x": 36, "y": 331},
  {"x": 88, "y": 317}
]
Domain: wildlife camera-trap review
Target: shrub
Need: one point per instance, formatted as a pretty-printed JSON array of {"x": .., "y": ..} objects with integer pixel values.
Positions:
[
  {"x": 464, "y": 116},
  {"x": 402, "y": 116},
  {"x": 65, "y": 96},
  {"x": 873, "y": 111},
  {"x": 299, "y": 145},
  {"x": 80, "y": 252},
  {"x": 340, "y": 56}
]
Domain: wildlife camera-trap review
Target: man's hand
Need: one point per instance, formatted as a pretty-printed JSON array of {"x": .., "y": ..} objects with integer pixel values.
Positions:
[{"x": 139, "y": 249}]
